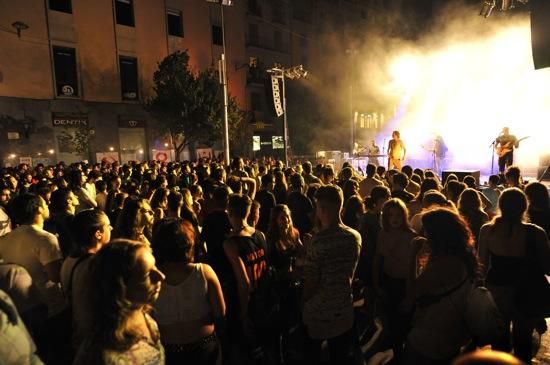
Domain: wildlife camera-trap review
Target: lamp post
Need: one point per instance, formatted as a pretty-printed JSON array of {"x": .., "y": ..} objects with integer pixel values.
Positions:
[
  {"x": 223, "y": 81},
  {"x": 292, "y": 73},
  {"x": 351, "y": 53}
]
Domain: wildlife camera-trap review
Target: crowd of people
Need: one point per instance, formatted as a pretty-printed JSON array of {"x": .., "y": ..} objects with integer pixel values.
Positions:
[{"x": 260, "y": 263}]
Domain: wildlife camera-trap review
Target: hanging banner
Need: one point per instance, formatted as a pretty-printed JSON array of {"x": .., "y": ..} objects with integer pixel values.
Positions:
[{"x": 276, "y": 96}]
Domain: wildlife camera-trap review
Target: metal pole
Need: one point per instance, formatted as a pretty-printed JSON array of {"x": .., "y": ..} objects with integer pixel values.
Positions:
[
  {"x": 352, "y": 124},
  {"x": 225, "y": 97},
  {"x": 285, "y": 125}
]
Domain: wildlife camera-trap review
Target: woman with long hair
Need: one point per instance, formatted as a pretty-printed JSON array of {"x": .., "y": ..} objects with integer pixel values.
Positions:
[
  {"x": 175, "y": 203},
  {"x": 390, "y": 271},
  {"x": 280, "y": 188},
  {"x": 471, "y": 209},
  {"x": 438, "y": 329},
  {"x": 159, "y": 202},
  {"x": 135, "y": 220},
  {"x": 538, "y": 210},
  {"x": 353, "y": 211},
  {"x": 191, "y": 304},
  {"x": 125, "y": 284},
  {"x": 507, "y": 247}
]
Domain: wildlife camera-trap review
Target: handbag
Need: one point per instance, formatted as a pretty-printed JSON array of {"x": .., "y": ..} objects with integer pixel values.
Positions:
[{"x": 532, "y": 298}]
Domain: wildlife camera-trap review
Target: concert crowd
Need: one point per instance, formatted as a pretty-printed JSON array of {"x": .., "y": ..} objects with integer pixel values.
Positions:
[{"x": 259, "y": 263}]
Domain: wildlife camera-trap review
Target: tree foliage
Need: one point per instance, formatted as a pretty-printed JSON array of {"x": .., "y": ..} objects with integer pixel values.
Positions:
[{"x": 189, "y": 106}]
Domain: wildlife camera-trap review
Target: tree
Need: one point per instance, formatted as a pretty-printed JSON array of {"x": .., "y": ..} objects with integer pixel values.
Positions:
[{"x": 189, "y": 106}]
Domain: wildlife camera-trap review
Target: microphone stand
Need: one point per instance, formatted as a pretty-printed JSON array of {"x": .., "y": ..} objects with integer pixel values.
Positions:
[{"x": 492, "y": 146}]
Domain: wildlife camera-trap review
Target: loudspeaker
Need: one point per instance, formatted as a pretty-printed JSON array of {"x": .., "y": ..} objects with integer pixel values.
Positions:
[
  {"x": 540, "y": 34},
  {"x": 461, "y": 174}
]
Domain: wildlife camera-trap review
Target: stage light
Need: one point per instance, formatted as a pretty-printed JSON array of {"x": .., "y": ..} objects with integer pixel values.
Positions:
[{"x": 111, "y": 149}]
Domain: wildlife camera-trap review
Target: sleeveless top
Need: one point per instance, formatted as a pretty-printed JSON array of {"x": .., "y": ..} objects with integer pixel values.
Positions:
[{"x": 184, "y": 302}]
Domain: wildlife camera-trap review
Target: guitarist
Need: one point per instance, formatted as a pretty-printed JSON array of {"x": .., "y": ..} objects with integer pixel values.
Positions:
[{"x": 505, "y": 144}]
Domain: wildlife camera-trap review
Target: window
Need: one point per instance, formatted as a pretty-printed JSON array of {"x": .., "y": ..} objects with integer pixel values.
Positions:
[
  {"x": 277, "y": 40},
  {"x": 63, "y": 6},
  {"x": 66, "y": 78},
  {"x": 175, "y": 22},
  {"x": 255, "y": 101},
  {"x": 217, "y": 35},
  {"x": 253, "y": 37},
  {"x": 124, "y": 12},
  {"x": 129, "y": 78},
  {"x": 277, "y": 12}
]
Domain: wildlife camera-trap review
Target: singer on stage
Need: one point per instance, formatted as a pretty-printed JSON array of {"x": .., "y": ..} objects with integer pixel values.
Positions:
[{"x": 396, "y": 152}]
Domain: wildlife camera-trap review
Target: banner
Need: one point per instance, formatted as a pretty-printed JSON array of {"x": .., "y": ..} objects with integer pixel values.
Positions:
[
  {"x": 108, "y": 157},
  {"x": 276, "y": 96},
  {"x": 204, "y": 153}
]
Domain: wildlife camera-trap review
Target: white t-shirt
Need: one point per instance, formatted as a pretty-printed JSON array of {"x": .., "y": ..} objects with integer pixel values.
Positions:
[
  {"x": 5, "y": 223},
  {"x": 34, "y": 248}
]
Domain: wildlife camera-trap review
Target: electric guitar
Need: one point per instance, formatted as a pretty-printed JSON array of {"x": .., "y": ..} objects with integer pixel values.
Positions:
[{"x": 507, "y": 147}]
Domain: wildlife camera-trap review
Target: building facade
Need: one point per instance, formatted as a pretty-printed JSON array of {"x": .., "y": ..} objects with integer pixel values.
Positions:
[{"x": 74, "y": 74}]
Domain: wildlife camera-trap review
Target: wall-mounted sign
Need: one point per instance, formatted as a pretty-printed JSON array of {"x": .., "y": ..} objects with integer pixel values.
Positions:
[
  {"x": 13, "y": 135},
  {"x": 60, "y": 120},
  {"x": 130, "y": 123},
  {"x": 256, "y": 143},
  {"x": 67, "y": 90}
]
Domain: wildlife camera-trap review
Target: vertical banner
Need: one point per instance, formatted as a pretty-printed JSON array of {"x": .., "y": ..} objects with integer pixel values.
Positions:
[{"x": 276, "y": 96}]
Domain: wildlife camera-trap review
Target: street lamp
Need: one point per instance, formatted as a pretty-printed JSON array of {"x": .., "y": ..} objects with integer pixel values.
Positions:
[
  {"x": 292, "y": 73},
  {"x": 351, "y": 53},
  {"x": 223, "y": 81}
]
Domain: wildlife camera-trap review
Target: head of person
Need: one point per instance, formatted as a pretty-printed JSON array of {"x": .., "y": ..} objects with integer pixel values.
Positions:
[
  {"x": 101, "y": 186},
  {"x": 494, "y": 181},
  {"x": 297, "y": 182},
  {"x": 505, "y": 131},
  {"x": 469, "y": 201},
  {"x": 63, "y": 201},
  {"x": 470, "y": 181},
  {"x": 346, "y": 173},
  {"x": 407, "y": 170},
  {"x": 512, "y": 175},
  {"x": 450, "y": 177},
  {"x": 328, "y": 174},
  {"x": 160, "y": 198},
  {"x": 435, "y": 198},
  {"x": 370, "y": 170},
  {"x": 378, "y": 196},
  {"x": 400, "y": 181},
  {"x": 174, "y": 241},
  {"x": 90, "y": 230},
  {"x": 175, "y": 201},
  {"x": 420, "y": 172},
  {"x": 220, "y": 197},
  {"x": 537, "y": 195},
  {"x": 307, "y": 167},
  {"x": 426, "y": 185},
  {"x": 453, "y": 190},
  {"x": 395, "y": 215},
  {"x": 254, "y": 215},
  {"x": 354, "y": 208},
  {"x": 136, "y": 214},
  {"x": 381, "y": 171},
  {"x": 268, "y": 181},
  {"x": 5, "y": 196},
  {"x": 28, "y": 209},
  {"x": 238, "y": 208},
  {"x": 512, "y": 204},
  {"x": 280, "y": 221},
  {"x": 329, "y": 202},
  {"x": 237, "y": 163},
  {"x": 124, "y": 279},
  {"x": 396, "y": 135},
  {"x": 75, "y": 179},
  {"x": 484, "y": 357},
  {"x": 351, "y": 188},
  {"x": 448, "y": 234}
]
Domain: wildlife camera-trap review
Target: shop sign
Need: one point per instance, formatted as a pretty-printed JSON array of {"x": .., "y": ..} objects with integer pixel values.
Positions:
[{"x": 69, "y": 121}]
